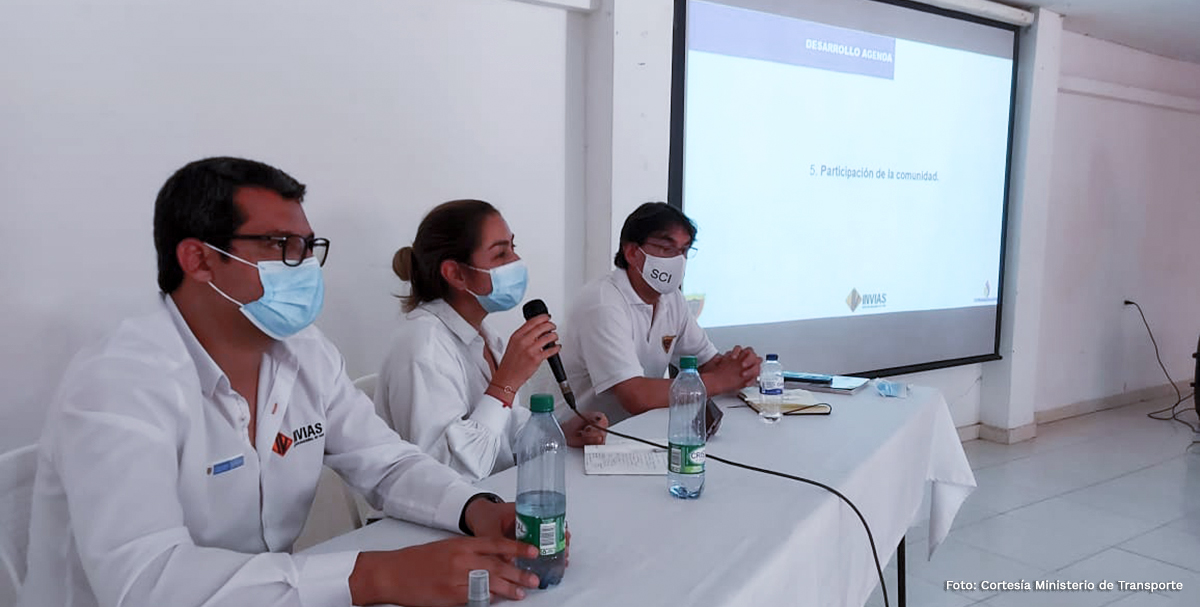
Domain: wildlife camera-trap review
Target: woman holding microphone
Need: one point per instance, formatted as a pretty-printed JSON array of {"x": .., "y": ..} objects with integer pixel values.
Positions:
[{"x": 449, "y": 383}]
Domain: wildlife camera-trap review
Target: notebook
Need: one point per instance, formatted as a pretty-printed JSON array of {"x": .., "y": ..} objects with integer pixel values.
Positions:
[{"x": 795, "y": 402}]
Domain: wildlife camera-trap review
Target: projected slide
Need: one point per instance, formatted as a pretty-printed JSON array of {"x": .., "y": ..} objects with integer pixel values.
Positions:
[{"x": 836, "y": 173}]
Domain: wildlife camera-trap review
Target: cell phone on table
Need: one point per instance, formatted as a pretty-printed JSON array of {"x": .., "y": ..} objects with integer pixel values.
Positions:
[
  {"x": 712, "y": 413},
  {"x": 808, "y": 378},
  {"x": 712, "y": 418}
]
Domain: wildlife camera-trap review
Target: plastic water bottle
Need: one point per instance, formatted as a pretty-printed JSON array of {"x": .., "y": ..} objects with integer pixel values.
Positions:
[
  {"x": 685, "y": 464},
  {"x": 770, "y": 387},
  {"x": 542, "y": 491}
]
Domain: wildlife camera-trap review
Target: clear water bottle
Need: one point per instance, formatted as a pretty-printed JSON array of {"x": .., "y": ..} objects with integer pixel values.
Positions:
[
  {"x": 770, "y": 387},
  {"x": 542, "y": 491},
  {"x": 685, "y": 463}
]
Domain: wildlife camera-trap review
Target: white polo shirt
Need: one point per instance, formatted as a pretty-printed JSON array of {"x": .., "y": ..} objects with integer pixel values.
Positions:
[
  {"x": 149, "y": 492},
  {"x": 613, "y": 336},
  {"x": 431, "y": 390}
]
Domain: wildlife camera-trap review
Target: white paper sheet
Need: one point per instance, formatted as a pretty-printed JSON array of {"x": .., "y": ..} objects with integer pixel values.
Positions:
[{"x": 624, "y": 457}]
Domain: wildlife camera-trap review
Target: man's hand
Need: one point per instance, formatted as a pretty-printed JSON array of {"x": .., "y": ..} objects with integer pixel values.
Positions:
[
  {"x": 590, "y": 432},
  {"x": 751, "y": 365},
  {"x": 732, "y": 370},
  {"x": 489, "y": 519},
  {"x": 435, "y": 574}
]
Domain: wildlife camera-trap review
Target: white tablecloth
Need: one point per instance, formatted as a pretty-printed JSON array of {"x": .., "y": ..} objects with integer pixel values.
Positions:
[{"x": 751, "y": 539}]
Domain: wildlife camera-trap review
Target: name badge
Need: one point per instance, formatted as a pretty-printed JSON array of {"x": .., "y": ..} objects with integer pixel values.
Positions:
[{"x": 227, "y": 465}]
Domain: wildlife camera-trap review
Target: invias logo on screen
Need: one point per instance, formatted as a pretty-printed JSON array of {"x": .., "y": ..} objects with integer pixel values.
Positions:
[{"x": 865, "y": 300}]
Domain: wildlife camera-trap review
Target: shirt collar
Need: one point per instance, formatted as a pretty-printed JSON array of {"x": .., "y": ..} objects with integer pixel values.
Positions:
[
  {"x": 452, "y": 319},
  {"x": 206, "y": 368},
  {"x": 620, "y": 278},
  {"x": 210, "y": 374}
]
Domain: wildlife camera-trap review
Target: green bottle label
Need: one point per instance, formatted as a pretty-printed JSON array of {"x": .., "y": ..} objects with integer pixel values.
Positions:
[
  {"x": 548, "y": 534},
  {"x": 687, "y": 459}
]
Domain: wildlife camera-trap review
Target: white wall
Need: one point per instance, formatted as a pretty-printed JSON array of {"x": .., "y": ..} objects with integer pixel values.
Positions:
[
  {"x": 1124, "y": 219},
  {"x": 1092, "y": 58},
  {"x": 383, "y": 108}
]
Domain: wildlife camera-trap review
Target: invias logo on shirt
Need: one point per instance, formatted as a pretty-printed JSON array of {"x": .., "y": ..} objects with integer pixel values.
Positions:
[{"x": 299, "y": 436}]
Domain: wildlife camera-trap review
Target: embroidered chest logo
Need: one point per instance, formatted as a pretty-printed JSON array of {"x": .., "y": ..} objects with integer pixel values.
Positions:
[
  {"x": 299, "y": 436},
  {"x": 667, "y": 340},
  {"x": 283, "y": 442}
]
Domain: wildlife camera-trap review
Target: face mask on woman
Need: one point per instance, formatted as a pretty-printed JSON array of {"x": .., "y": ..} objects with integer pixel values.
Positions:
[{"x": 508, "y": 286}]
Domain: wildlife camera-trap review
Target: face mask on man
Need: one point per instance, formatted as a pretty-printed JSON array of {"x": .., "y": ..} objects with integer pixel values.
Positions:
[
  {"x": 664, "y": 274},
  {"x": 508, "y": 286},
  {"x": 292, "y": 296}
]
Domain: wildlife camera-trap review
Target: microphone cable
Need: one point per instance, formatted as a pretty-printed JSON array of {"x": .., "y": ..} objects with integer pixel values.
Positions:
[{"x": 570, "y": 398}]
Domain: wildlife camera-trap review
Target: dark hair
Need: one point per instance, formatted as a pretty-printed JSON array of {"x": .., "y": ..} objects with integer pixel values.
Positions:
[
  {"x": 197, "y": 202},
  {"x": 647, "y": 220},
  {"x": 452, "y": 230}
]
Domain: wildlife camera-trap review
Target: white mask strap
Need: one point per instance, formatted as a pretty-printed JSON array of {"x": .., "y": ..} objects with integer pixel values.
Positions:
[
  {"x": 222, "y": 293},
  {"x": 253, "y": 265}
]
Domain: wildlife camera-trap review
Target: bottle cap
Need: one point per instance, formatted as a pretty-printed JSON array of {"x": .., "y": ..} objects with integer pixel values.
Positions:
[
  {"x": 541, "y": 403},
  {"x": 687, "y": 362},
  {"x": 478, "y": 586},
  {"x": 772, "y": 357}
]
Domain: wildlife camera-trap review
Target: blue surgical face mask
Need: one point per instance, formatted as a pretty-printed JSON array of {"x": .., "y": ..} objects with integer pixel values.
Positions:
[
  {"x": 891, "y": 388},
  {"x": 292, "y": 296},
  {"x": 508, "y": 286}
]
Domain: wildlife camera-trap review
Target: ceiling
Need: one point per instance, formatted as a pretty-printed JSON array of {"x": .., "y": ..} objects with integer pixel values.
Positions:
[{"x": 1170, "y": 28}]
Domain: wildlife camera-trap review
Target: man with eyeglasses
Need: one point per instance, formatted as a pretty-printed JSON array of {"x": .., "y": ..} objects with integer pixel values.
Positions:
[
  {"x": 181, "y": 454},
  {"x": 625, "y": 328}
]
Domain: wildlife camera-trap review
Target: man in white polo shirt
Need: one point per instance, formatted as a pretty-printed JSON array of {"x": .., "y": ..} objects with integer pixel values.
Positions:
[{"x": 625, "y": 328}]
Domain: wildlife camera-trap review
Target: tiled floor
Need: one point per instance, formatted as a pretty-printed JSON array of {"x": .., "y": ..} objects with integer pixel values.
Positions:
[{"x": 1107, "y": 496}]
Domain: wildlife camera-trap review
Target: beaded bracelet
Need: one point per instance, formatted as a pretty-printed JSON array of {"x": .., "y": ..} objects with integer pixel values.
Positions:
[{"x": 508, "y": 390}]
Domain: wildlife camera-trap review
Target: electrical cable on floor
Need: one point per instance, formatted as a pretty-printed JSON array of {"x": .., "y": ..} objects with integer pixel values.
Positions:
[
  {"x": 1174, "y": 409},
  {"x": 1179, "y": 395}
]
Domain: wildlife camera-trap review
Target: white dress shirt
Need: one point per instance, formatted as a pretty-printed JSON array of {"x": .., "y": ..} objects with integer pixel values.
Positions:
[
  {"x": 149, "y": 491},
  {"x": 613, "y": 336},
  {"x": 431, "y": 390}
]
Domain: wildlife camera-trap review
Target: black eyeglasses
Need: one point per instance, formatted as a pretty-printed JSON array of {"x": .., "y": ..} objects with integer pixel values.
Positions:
[
  {"x": 661, "y": 250},
  {"x": 293, "y": 248}
]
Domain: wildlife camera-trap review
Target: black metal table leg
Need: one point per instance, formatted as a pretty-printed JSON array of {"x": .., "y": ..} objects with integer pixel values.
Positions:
[{"x": 900, "y": 574}]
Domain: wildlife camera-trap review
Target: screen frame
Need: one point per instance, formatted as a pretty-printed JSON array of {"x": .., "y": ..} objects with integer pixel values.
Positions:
[{"x": 675, "y": 164}]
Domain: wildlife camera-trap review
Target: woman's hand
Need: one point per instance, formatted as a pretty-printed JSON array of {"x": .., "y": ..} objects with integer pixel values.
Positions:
[{"x": 525, "y": 352}]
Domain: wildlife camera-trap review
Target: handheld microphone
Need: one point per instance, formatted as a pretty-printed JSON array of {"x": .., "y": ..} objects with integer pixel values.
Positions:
[{"x": 537, "y": 307}]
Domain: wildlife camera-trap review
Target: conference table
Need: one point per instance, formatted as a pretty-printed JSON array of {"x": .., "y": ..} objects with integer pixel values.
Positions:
[{"x": 751, "y": 538}]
